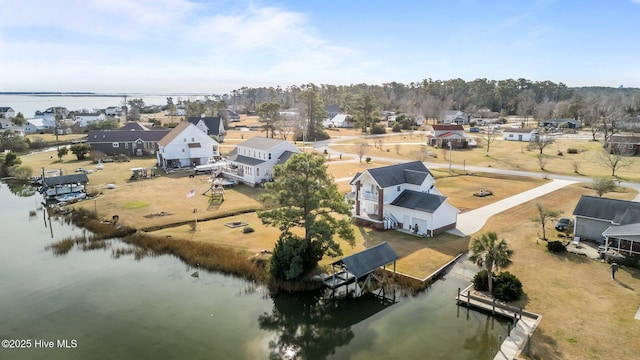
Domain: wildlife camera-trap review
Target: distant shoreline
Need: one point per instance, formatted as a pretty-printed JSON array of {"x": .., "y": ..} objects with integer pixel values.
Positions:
[{"x": 92, "y": 94}]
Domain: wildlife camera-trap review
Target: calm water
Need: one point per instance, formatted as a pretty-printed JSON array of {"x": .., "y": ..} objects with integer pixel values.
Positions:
[
  {"x": 29, "y": 104},
  {"x": 152, "y": 308}
]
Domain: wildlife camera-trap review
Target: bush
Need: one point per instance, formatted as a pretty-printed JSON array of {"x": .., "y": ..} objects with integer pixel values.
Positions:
[
  {"x": 377, "y": 129},
  {"x": 481, "y": 281},
  {"x": 507, "y": 287},
  {"x": 396, "y": 127},
  {"x": 368, "y": 159},
  {"x": 630, "y": 261},
  {"x": 556, "y": 247},
  {"x": 247, "y": 230},
  {"x": 572, "y": 151}
]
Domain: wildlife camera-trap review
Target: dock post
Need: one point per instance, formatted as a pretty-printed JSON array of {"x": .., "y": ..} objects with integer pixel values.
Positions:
[
  {"x": 515, "y": 317},
  {"x": 520, "y": 313},
  {"x": 499, "y": 339},
  {"x": 493, "y": 307},
  {"x": 508, "y": 329},
  {"x": 458, "y": 296},
  {"x": 468, "y": 298}
]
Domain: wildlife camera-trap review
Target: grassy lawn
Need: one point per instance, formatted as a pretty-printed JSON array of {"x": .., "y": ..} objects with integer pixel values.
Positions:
[{"x": 586, "y": 315}]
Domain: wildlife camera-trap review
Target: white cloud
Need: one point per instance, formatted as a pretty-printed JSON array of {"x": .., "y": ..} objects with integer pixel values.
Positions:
[{"x": 106, "y": 43}]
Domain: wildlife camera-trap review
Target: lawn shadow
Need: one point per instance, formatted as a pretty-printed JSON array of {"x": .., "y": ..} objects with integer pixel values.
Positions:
[
  {"x": 544, "y": 346},
  {"x": 624, "y": 285}
]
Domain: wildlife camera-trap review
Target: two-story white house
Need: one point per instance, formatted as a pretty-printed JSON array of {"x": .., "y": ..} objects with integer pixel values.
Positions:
[
  {"x": 7, "y": 112},
  {"x": 252, "y": 161},
  {"x": 402, "y": 196},
  {"x": 186, "y": 146},
  {"x": 32, "y": 126}
]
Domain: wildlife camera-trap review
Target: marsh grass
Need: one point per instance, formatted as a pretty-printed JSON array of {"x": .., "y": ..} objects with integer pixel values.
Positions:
[
  {"x": 63, "y": 246},
  {"x": 204, "y": 255}
]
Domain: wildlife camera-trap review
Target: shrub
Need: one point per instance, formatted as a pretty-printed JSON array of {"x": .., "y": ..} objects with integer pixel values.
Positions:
[
  {"x": 481, "y": 281},
  {"x": 368, "y": 159},
  {"x": 507, "y": 287},
  {"x": 396, "y": 127},
  {"x": 247, "y": 230},
  {"x": 630, "y": 261},
  {"x": 378, "y": 129},
  {"x": 556, "y": 246},
  {"x": 572, "y": 151}
]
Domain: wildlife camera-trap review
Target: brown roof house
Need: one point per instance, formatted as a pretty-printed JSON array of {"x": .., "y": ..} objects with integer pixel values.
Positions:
[{"x": 186, "y": 146}]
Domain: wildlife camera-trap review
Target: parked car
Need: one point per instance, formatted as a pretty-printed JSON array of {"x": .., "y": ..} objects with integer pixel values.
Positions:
[{"x": 563, "y": 224}]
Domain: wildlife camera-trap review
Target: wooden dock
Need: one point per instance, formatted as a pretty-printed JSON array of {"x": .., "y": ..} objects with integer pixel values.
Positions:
[{"x": 522, "y": 326}]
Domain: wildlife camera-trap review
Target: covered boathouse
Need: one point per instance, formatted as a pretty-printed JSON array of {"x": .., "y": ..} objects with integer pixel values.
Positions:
[{"x": 359, "y": 267}]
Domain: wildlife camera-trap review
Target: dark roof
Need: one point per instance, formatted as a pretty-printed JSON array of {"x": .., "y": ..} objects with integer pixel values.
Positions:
[
  {"x": 420, "y": 201},
  {"x": 364, "y": 262},
  {"x": 617, "y": 211},
  {"x": 284, "y": 157},
  {"x": 81, "y": 178},
  {"x": 622, "y": 139},
  {"x": 100, "y": 136},
  {"x": 447, "y": 127},
  {"x": 134, "y": 126},
  {"x": 412, "y": 172},
  {"x": 246, "y": 160},
  {"x": 5, "y": 109},
  {"x": 212, "y": 123}
]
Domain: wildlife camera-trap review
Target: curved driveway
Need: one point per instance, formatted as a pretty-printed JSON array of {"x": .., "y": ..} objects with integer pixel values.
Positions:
[{"x": 472, "y": 221}]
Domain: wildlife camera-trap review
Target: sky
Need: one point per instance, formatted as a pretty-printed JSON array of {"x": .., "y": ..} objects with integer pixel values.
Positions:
[{"x": 216, "y": 46}]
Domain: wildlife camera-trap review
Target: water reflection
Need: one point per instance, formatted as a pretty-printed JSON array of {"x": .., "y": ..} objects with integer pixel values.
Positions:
[
  {"x": 20, "y": 188},
  {"x": 311, "y": 326}
]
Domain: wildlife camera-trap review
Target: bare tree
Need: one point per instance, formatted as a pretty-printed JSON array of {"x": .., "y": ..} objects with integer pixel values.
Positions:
[
  {"x": 361, "y": 149},
  {"x": 603, "y": 186},
  {"x": 542, "y": 161},
  {"x": 489, "y": 137},
  {"x": 544, "y": 215},
  {"x": 540, "y": 142},
  {"x": 615, "y": 159},
  {"x": 576, "y": 166}
]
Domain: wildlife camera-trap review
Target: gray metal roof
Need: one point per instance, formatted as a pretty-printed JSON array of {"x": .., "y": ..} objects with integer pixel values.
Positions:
[
  {"x": 617, "y": 211},
  {"x": 80, "y": 178},
  {"x": 412, "y": 172},
  {"x": 626, "y": 231},
  {"x": 364, "y": 262},
  {"x": 419, "y": 201},
  {"x": 261, "y": 143},
  {"x": 247, "y": 160},
  {"x": 284, "y": 157}
]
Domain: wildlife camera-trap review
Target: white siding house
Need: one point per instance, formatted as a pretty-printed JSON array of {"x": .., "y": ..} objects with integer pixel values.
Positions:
[
  {"x": 7, "y": 112},
  {"x": 520, "y": 134},
  {"x": 402, "y": 196},
  {"x": 252, "y": 161},
  {"x": 32, "y": 126},
  {"x": 186, "y": 146}
]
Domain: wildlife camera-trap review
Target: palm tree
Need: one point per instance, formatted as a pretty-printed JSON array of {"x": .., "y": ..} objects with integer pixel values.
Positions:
[{"x": 489, "y": 252}]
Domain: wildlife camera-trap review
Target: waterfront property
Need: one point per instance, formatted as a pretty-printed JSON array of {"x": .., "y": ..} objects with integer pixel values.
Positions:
[
  {"x": 55, "y": 186},
  {"x": 130, "y": 141},
  {"x": 615, "y": 224},
  {"x": 186, "y": 146},
  {"x": 360, "y": 267},
  {"x": 252, "y": 161},
  {"x": 402, "y": 196}
]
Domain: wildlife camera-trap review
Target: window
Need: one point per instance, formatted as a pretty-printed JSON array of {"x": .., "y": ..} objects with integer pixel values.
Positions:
[
  {"x": 398, "y": 188},
  {"x": 126, "y": 145},
  {"x": 115, "y": 144},
  {"x": 510, "y": 135},
  {"x": 193, "y": 139},
  {"x": 257, "y": 171},
  {"x": 183, "y": 150},
  {"x": 269, "y": 156}
]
